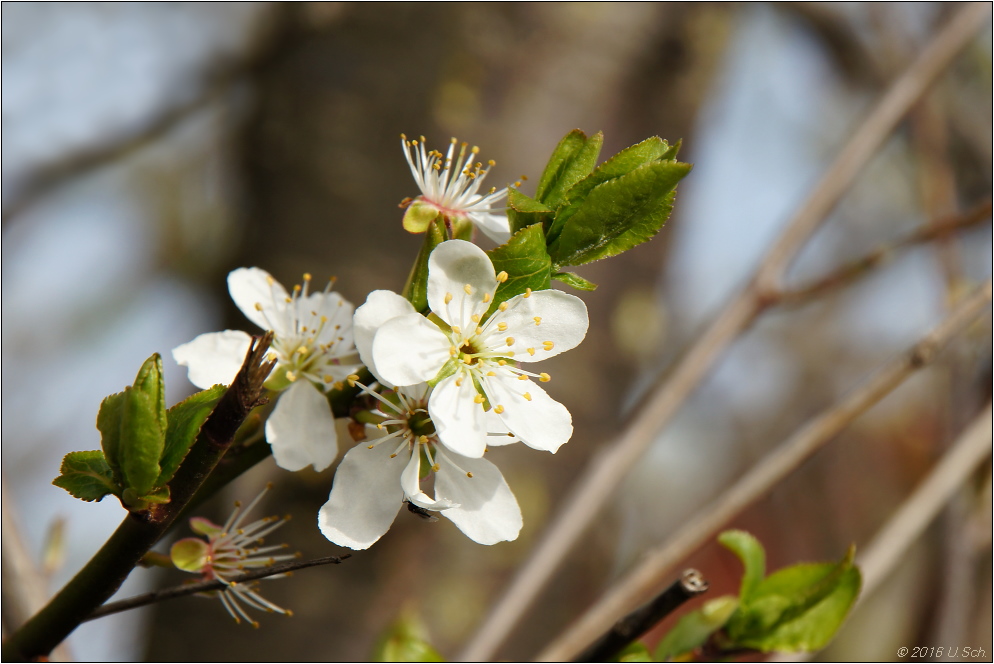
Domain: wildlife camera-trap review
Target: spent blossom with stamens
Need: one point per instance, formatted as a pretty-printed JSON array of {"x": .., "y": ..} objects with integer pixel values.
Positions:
[
  {"x": 376, "y": 477},
  {"x": 471, "y": 359},
  {"x": 229, "y": 551},
  {"x": 313, "y": 349},
  {"x": 450, "y": 185}
]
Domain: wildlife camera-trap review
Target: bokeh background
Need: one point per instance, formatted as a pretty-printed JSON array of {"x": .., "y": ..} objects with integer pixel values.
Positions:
[{"x": 148, "y": 149}]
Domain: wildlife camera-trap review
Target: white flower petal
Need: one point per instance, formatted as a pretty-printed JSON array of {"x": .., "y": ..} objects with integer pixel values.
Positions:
[
  {"x": 409, "y": 349},
  {"x": 301, "y": 428},
  {"x": 213, "y": 358},
  {"x": 251, "y": 286},
  {"x": 541, "y": 325},
  {"x": 539, "y": 420},
  {"x": 494, "y": 226},
  {"x": 488, "y": 512},
  {"x": 410, "y": 481},
  {"x": 459, "y": 421},
  {"x": 365, "y": 496},
  {"x": 380, "y": 306},
  {"x": 461, "y": 283}
]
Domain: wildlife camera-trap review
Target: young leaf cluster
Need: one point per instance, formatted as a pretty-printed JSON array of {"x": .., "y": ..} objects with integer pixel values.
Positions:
[
  {"x": 142, "y": 443},
  {"x": 795, "y": 609}
]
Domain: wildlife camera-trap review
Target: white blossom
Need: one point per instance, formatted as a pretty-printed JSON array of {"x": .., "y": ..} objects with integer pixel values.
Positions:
[
  {"x": 450, "y": 185},
  {"x": 377, "y": 477},
  {"x": 473, "y": 360},
  {"x": 313, "y": 349}
]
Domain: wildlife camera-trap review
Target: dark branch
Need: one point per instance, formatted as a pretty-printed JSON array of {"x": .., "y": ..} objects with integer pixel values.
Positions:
[
  {"x": 641, "y": 620},
  {"x": 207, "y": 586}
]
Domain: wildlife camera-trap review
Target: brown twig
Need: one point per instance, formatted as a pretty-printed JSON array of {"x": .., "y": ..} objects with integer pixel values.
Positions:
[
  {"x": 606, "y": 470},
  {"x": 761, "y": 478},
  {"x": 850, "y": 272},
  {"x": 207, "y": 586},
  {"x": 690, "y": 584}
]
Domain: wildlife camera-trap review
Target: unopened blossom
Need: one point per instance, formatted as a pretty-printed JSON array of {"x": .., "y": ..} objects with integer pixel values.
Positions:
[
  {"x": 473, "y": 361},
  {"x": 229, "y": 551},
  {"x": 313, "y": 349},
  {"x": 450, "y": 185},
  {"x": 378, "y": 476}
]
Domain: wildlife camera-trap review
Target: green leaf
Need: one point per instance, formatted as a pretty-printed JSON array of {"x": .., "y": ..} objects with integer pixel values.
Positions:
[
  {"x": 406, "y": 641},
  {"x": 416, "y": 290},
  {"x": 109, "y": 425},
  {"x": 619, "y": 214},
  {"x": 574, "y": 280},
  {"x": 799, "y": 608},
  {"x": 150, "y": 382},
  {"x": 87, "y": 476},
  {"x": 634, "y": 652},
  {"x": 142, "y": 441},
  {"x": 753, "y": 558},
  {"x": 572, "y": 160},
  {"x": 526, "y": 262},
  {"x": 184, "y": 422},
  {"x": 523, "y": 211},
  {"x": 694, "y": 628},
  {"x": 650, "y": 150}
]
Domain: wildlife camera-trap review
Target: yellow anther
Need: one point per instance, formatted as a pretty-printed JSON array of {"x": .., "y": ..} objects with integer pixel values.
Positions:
[
  {"x": 502, "y": 306},
  {"x": 288, "y": 300},
  {"x": 296, "y": 288},
  {"x": 339, "y": 385},
  {"x": 422, "y": 439},
  {"x": 271, "y": 357},
  {"x": 475, "y": 318},
  {"x": 491, "y": 373},
  {"x": 548, "y": 345},
  {"x": 502, "y": 326},
  {"x": 290, "y": 376},
  {"x": 491, "y": 163},
  {"x": 352, "y": 378},
  {"x": 393, "y": 456},
  {"x": 501, "y": 362},
  {"x": 258, "y": 306},
  {"x": 538, "y": 320},
  {"x": 379, "y": 426},
  {"x": 270, "y": 280},
  {"x": 453, "y": 351},
  {"x": 459, "y": 381},
  {"x": 498, "y": 409},
  {"x": 456, "y": 329},
  {"x": 468, "y": 361},
  {"x": 478, "y": 398},
  {"x": 528, "y": 292},
  {"x": 524, "y": 177},
  {"x": 326, "y": 378},
  {"x": 468, "y": 289},
  {"x": 527, "y": 396},
  {"x": 434, "y": 468},
  {"x": 468, "y": 474},
  {"x": 510, "y": 353},
  {"x": 486, "y": 298},
  {"x": 502, "y": 276},
  {"x": 544, "y": 377},
  {"x": 531, "y": 351},
  {"x": 303, "y": 350},
  {"x": 448, "y": 297},
  {"x": 522, "y": 377},
  {"x": 510, "y": 341},
  {"x": 307, "y": 276}
]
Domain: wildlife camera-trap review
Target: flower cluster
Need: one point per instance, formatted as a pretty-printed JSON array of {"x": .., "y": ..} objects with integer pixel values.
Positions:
[
  {"x": 449, "y": 385},
  {"x": 230, "y": 550}
]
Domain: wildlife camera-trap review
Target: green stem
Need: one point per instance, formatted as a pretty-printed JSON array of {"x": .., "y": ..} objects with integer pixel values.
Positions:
[{"x": 107, "y": 570}]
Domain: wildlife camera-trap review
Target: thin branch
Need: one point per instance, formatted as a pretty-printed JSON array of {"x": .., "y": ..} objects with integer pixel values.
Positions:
[
  {"x": 110, "y": 566},
  {"x": 606, "y": 470},
  {"x": 850, "y": 272},
  {"x": 690, "y": 584},
  {"x": 762, "y": 477},
  {"x": 893, "y": 540},
  {"x": 207, "y": 586}
]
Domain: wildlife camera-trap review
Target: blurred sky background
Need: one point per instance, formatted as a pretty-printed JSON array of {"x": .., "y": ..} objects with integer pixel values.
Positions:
[{"x": 149, "y": 148}]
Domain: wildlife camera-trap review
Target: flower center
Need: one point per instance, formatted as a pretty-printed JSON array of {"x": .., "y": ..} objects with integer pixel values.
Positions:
[{"x": 420, "y": 424}]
